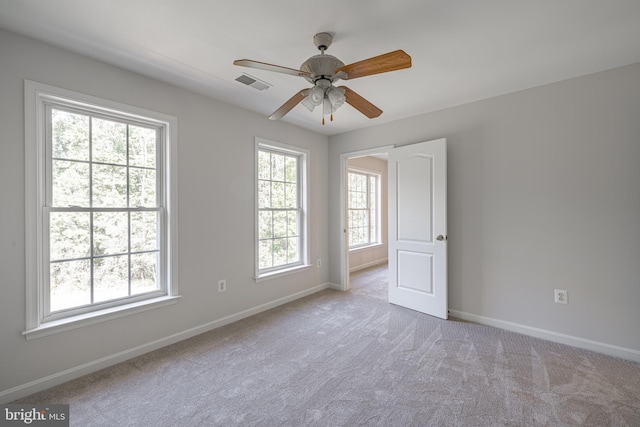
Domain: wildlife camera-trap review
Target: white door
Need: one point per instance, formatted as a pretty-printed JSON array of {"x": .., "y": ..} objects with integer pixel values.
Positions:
[{"x": 418, "y": 227}]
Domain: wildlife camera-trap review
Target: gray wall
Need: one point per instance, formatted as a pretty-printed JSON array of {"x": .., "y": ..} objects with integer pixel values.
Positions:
[
  {"x": 216, "y": 221},
  {"x": 543, "y": 193}
]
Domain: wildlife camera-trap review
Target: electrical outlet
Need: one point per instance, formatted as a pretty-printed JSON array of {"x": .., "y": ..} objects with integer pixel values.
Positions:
[
  {"x": 561, "y": 296},
  {"x": 319, "y": 262},
  {"x": 222, "y": 285}
]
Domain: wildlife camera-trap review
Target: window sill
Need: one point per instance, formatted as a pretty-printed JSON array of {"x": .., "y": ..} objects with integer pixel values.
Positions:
[
  {"x": 360, "y": 248},
  {"x": 69, "y": 323},
  {"x": 280, "y": 273}
]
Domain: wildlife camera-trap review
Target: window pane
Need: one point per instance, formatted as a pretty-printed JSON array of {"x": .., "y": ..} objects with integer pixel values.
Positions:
[
  {"x": 111, "y": 278},
  {"x": 357, "y": 218},
  {"x": 353, "y": 200},
  {"x": 277, "y": 195},
  {"x": 265, "y": 225},
  {"x": 373, "y": 186},
  {"x": 264, "y": 254},
  {"x": 69, "y": 235},
  {"x": 291, "y": 196},
  {"x": 277, "y": 167},
  {"x": 280, "y": 247},
  {"x": 142, "y": 188},
  {"x": 142, "y": 147},
  {"x": 352, "y": 219},
  {"x": 110, "y": 233},
  {"x": 70, "y": 135},
  {"x": 362, "y": 235},
  {"x": 109, "y": 186},
  {"x": 144, "y": 231},
  {"x": 291, "y": 172},
  {"x": 292, "y": 223},
  {"x": 70, "y": 284},
  {"x": 264, "y": 165},
  {"x": 70, "y": 184},
  {"x": 144, "y": 273},
  {"x": 264, "y": 194},
  {"x": 362, "y": 200},
  {"x": 279, "y": 224},
  {"x": 109, "y": 141},
  {"x": 352, "y": 237}
]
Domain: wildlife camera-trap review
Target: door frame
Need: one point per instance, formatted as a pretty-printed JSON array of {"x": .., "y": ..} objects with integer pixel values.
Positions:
[{"x": 344, "y": 249}]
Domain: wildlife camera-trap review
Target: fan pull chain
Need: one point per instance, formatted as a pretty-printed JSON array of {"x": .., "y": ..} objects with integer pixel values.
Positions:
[
  {"x": 322, "y": 120},
  {"x": 331, "y": 116}
]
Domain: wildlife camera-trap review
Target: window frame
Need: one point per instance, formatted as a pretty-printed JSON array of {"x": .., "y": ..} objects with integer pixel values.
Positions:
[
  {"x": 377, "y": 219},
  {"x": 302, "y": 155},
  {"x": 39, "y": 99}
]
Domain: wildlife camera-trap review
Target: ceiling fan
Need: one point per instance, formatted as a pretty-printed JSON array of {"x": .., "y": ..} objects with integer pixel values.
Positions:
[{"x": 324, "y": 70}]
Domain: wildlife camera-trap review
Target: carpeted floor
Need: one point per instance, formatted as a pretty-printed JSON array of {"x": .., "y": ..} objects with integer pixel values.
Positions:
[{"x": 351, "y": 359}]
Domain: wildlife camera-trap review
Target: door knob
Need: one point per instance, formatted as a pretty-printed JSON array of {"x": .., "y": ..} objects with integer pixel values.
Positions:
[{"x": 441, "y": 237}]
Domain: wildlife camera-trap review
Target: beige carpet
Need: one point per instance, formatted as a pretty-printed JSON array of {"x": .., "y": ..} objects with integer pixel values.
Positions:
[{"x": 351, "y": 359}]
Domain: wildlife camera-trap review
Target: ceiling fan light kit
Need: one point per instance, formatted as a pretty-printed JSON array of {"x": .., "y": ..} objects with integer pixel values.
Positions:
[{"x": 323, "y": 70}]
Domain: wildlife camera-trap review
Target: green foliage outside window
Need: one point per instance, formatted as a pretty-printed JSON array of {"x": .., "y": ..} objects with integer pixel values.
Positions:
[
  {"x": 104, "y": 209},
  {"x": 278, "y": 209}
]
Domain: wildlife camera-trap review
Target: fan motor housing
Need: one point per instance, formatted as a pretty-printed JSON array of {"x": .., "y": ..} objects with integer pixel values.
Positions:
[{"x": 321, "y": 66}]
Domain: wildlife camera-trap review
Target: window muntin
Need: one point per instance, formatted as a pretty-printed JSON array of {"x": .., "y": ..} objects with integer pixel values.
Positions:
[
  {"x": 101, "y": 202},
  {"x": 362, "y": 208},
  {"x": 280, "y": 182}
]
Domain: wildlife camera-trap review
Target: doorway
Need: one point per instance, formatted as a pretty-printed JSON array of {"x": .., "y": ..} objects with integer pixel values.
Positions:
[
  {"x": 364, "y": 215},
  {"x": 416, "y": 223}
]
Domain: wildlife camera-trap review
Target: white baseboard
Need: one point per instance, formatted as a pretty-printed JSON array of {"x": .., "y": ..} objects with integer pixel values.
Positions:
[
  {"x": 368, "y": 264},
  {"x": 335, "y": 286},
  {"x": 52, "y": 380},
  {"x": 599, "y": 347}
]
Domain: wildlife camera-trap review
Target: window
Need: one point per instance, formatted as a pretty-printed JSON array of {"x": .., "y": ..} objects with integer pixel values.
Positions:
[
  {"x": 102, "y": 179},
  {"x": 363, "y": 208},
  {"x": 281, "y": 208}
]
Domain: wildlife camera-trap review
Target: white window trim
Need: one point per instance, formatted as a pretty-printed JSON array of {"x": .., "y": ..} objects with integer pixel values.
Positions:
[
  {"x": 36, "y": 96},
  {"x": 304, "y": 188},
  {"x": 365, "y": 247},
  {"x": 378, "y": 176}
]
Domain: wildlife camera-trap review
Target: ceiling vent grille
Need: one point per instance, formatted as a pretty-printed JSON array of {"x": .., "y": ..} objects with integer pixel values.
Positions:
[{"x": 253, "y": 82}]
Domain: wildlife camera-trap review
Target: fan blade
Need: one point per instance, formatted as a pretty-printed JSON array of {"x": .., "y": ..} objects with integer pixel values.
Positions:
[
  {"x": 360, "y": 104},
  {"x": 396, "y": 60},
  {"x": 269, "y": 67},
  {"x": 287, "y": 106}
]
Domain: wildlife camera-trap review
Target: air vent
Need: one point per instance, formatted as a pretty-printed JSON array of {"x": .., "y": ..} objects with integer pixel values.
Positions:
[{"x": 253, "y": 82}]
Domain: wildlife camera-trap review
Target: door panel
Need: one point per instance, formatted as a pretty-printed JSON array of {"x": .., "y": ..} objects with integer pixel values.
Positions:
[
  {"x": 418, "y": 213},
  {"x": 414, "y": 175},
  {"x": 415, "y": 272}
]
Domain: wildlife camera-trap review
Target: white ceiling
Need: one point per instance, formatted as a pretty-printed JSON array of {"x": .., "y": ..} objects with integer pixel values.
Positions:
[{"x": 462, "y": 50}]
